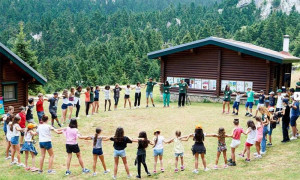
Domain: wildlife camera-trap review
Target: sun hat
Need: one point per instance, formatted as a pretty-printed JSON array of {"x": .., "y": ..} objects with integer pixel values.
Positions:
[
  {"x": 198, "y": 126},
  {"x": 279, "y": 91},
  {"x": 31, "y": 125},
  {"x": 271, "y": 109},
  {"x": 156, "y": 130}
]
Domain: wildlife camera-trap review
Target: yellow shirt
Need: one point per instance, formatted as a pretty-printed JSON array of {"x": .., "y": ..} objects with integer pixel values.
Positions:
[{"x": 178, "y": 147}]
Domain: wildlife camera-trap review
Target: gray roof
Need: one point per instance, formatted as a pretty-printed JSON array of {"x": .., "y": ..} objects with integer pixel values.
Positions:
[
  {"x": 23, "y": 65},
  {"x": 239, "y": 46}
]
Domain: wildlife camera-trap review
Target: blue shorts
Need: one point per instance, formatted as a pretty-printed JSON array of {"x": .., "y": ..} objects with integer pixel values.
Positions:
[
  {"x": 40, "y": 114},
  {"x": 178, "y": 154},
  {"x": 97, "y": 151},
  {"x": 149, "y": 94},
  {"x": 46, "y": 145},
  {"x": 158, "y": 152},
  {"x": 293, "y": 120},
  {"x": 249, "y": 104},
  {"x": 64, "y": 106},
  {"x": 14, "y": 140},
  {"x": 119, "y": 153},
  {"x": 236, "y": 105}
]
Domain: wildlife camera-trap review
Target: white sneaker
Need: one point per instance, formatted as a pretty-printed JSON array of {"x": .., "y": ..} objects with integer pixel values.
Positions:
[
  {"x": 206, "y": 169},
  {"x": 258, "y": 156},
  {"x": 114, "y": 177},
  {"x": 88, "y": 116},
  {"x": 262, "y": 153},
  {"x": 255, "y": 154},
  {"x": 13, "y": 163},
  {"x": 293, "y": 138},
  {"x": 20, "y": 165},
  {"x": 78, "y": 118},
  {"x": 8, "y": 158},
  {"x": 107, "y": 171},
  {"x": 139, "y": 107},
  {"x": 196, "y": 171},
  {"x": 129, "y": 176},
  {"x": 94, "y": 174},
  {"x": 297, "y": 135}
]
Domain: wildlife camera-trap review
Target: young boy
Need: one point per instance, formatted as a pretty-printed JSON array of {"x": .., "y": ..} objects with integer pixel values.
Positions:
[
  {"x": 280, "y": 98},
  {"x": 53, "y": 108},
  {"x": 273, "y": 122},
  {"x": 261, "y": 101},
  {"x": 40, "y": 107},
  {"x": 22, "y": 123},
  {"x": 29, "y": 115},
  {"x": 236, "y": 141},
  {"x": 236, "y": 103},
  {"x": 249, "y": 103},
  {"x": 271, "y": 100}
]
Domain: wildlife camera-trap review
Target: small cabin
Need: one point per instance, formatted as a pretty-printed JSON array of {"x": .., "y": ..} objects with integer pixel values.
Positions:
[
  {"x": 15, "y": 76},
  {"x": 208, "y": 65}
]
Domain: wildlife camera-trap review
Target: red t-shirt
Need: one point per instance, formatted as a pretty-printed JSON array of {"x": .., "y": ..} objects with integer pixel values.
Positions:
[
  {"x": 23, "y": 120},
  {"x": 87, "y": 96},
  {"x": 237, "y": 133},
  {"x": 39, "y": 106}
]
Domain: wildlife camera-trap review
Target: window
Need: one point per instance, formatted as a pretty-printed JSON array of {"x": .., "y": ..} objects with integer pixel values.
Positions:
[{"x": 9, "y": 91}]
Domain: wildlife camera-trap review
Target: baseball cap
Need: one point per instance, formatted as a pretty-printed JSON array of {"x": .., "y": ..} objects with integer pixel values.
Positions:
[
  {"x": 279, "y": 91},
  {"x": 271, "y": 92},
  {"x": 31, "y": 125},
  {"x": 198, "y": 126},
  {"x": 271, "y": 109},
  {"x": 261, "y": 90}
]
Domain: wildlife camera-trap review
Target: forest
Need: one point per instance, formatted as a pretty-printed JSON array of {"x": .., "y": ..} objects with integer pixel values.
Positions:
[{"x": 99, "y": 42}]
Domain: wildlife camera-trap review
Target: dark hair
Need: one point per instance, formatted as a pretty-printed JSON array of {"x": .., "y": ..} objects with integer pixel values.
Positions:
[
  {"x": 55, "y": 93},
  {"x": 144, "y": 143},
  {"x": 97, "y": 87},
  {"x": 92, "y": 89},
  {"x": 199, "y": 136},
  {"x": 73, "y": 123},
  {"x": 119, "y": 135},
  {"x": 128, "y": 86},
  {"x": 107, "y": 87},
  {"x": 227, "y": 88},
  {"x": 15, "y": 120},
  {"x": 251, "y": 125},
  {"x": 236, "y": 121},
  {"x": 178, "y": 133},
  {"x": 258, "y": 119},
  {"x": 9, "y": 118},
  {"x": 221, "y": 134},
  {"x": 98, "y": 131},
  {"x": 88, "y": 88},
  {"x": 138, "y": 83},
  {"x": 167, "y": 83},
  {"x": 79, "y": 88},
  {"x": 292, "y": 90},
  {"x": 156, "y": 139},
  {"x": 45, "y": 118},
  {"x": 30, "y": 100}
]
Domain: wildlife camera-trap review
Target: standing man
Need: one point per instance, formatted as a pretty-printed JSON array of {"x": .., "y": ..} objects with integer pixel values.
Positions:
[
  {"x": 294, "y": 117},
  {"x": 149, "y": 91},
  {"x": 182, "y": 92},
  {"x": 53, "y": 109}
]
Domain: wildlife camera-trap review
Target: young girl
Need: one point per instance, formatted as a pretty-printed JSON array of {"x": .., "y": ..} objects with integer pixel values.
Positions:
[
  {"x": 178, "y": 149},
  {"x": 259, "y": 136},
  {"x": 96, "y": 102},
  {"x": 16, "y": 129},
  {"x": 127, "y": 96},
  {"x": 44, "y": 132},
  {"x": 28, "y": 147},
  {"x": 227, "y": 98},
  {"x": 92, "y": 100},
  {"x": 251, "y": 132},
  {"x": 266, "y": 121},
  {"x": 107, "y": 97},
  {"x": 236, "y": 141},
  {"x": 71, "y": 101},
  {"x": 221, "y": 146},
  {"x": 72, "y": 134},
  {"x": 158, "y": 150},
  {"x": 137, "y": 96},
  {"x": 236, "y": 103},
  {"x": 87, "y": 101},
  {"x": 199, "y": 148},
  {"x": 77, "y": 100},
  {"x": 117, "y": 90},
  {"x": 166, "y": 94},
  {"x": 120, "y": 143},
  {"x": 141, "y": 154},
  {"x": 7, "y": 122},
  {"x": 64, "y": 106},
  {"x": 97, "y": 150}
]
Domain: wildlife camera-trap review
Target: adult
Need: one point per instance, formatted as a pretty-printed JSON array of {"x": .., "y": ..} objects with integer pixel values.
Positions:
[
  {"x": 149, "y": 91},
  {"x": 297, "y": 86},
  {"x": 182, "y": 92},
  {"x": 116, "y": 91},
  {"x": 249, "y": 103},
  {"x": 77, "y": 100},
  {"x": 294, "y": 117},
  {"x": 137, "y": 95},
  {"x": 166, "y": 94},
  {"x": 227, "y": 98}
]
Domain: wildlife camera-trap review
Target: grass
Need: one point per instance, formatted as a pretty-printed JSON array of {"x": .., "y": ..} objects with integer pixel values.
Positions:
[{"x": 281, "y": 161}]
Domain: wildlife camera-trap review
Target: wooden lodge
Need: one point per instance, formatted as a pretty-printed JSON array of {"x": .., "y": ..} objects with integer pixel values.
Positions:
[
  {"x": 209, "y": 64},
  {"x": 15, "y": 75}
]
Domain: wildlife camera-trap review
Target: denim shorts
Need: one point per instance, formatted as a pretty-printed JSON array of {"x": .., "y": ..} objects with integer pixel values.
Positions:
[
  {"x": 236, "y": 105},
  {"x": 14, "y": 140},
  {"x": 149, "y": 94},
  {"x": 293, "y": 120},
  {"x": 40, "y": 114},
  {"x": 119, "y": 153},
  {"x": 64, "y": 106},
  {"x": 46, "y": 145},
  {"x": 249, "y": 104},
  {"x": 158, "y": 152},
  {"x": 178, "y": 154},
  {"x": 97, "y": 151}
]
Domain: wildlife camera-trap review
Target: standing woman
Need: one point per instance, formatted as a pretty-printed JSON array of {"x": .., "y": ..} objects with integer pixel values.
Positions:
[
  {"x": 77, "y": 100},
  {"x": 117, "y": 90},
  {"x": 92, "y": 100},
  {"x": 71, "y": 101},
  {"x": 96, "y": 99},
  {"x": 182, "y": 92},
  {"x": 227, "y": 97},
  {"x": 137, "y": 96},
  {"x": 87, "y": 101},
  {"x": 127, "y": 96},
  {"x": 166, "y": 94},
  {"x": 64, "y": 106}
]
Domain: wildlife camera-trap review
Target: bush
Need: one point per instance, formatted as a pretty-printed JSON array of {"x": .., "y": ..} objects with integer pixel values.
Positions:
[{"x": 276, "y": 3}]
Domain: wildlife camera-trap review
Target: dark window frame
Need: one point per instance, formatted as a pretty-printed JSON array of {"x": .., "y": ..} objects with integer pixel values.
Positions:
[{"x": 15, "y": 84}]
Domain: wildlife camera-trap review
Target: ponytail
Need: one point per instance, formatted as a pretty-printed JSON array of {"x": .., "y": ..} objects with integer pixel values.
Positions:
[{"x": 95, "y": 139}]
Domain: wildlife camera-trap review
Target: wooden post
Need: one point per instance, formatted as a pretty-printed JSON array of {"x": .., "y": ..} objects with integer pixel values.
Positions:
[
  {"x": 162, "y": 71},
  {"x": 281, "y": 76},
  {"x": 268, "y": 77},
  {"x": 219, "y": 72}
]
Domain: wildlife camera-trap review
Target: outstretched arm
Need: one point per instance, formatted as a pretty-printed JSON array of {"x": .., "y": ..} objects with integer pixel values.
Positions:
[
  {"x": 185, "y": 138},
  {"x": 169, "y": 141},
  {"x": 211, "y": 135}
]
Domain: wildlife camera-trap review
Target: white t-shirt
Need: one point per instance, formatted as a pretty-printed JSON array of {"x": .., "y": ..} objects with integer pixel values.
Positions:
[
  {"x": 238, "y": 98},
  {"x": 106, "y": 94},
  {"x": 66, "y": 101},
  {"x": 137, "y": 89},
  {"x": 44, "y": 131},
  {"x": 9, "y": 133},
  {"x": 279, "y": 102},
  {"x": 251, "y": 136},
  {"x": 160, "y": 141},
  {"x": 28, "y": 137},
  {"x": 127, "y": 91},
  {"x": 15, "y": 131}
]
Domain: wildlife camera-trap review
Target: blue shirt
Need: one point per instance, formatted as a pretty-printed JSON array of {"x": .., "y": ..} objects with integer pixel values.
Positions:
[
  {"x": 261, "y": 99},
  {"x": 295, "y": 112},
  {"x": 96, "y": 94},
  {"x": 5, "y": 125},
  {"x": 271, "y": 101}
]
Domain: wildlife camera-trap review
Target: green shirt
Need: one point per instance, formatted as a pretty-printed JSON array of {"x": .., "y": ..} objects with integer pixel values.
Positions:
[
  {"x": 182, "y": 87},
  {"x": 227, "y": 95},
  {"x": 250, "y": 96},
  {"x": 297, "y": 89},
  {"x": 166, "y": 89},
  {"x": 91, "y": 96},
  {"x": 150, "y": 86}
]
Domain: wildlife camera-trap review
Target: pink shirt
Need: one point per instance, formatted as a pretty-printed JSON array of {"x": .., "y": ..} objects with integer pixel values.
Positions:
[
  {"x": 237, "y": 133},
  {"x": 260, "y": 131},
  {"x": 71, "y": 135}
]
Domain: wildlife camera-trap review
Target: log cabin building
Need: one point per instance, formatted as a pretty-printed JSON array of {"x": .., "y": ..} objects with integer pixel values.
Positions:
[
  {"x": 209, "y": 64},
  {"x": 15, "y": 75}
]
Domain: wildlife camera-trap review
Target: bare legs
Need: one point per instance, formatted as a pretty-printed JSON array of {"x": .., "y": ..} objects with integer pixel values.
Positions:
[
  {"x": 117, "y": 163},
  {"x": 51, "y": 158}
]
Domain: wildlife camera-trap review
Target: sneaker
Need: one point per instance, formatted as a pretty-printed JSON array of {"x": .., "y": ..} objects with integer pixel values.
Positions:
[
  {"x": 51, "y": 171},
  {"x": 59, "y": 124},
  {"x": 227, "y": 112},
  {"x": 297, "y": 135},
  {"x": 85, "y": 170},
  {"x": 293, "y": 138},
  {"x": 34, "y": 169},
  {"x": 254, "y": 117},
  {"x": 233, "y": 112},
  {"x": 153, "y": 105},
  {"x": 88, "y": 116},
  {"x": 107, "y": 171},
  {"x": 269, "y": 144},
  {"x": 241, "y": 155},
  {"x": 225, "y": 166},
  {"x": 247, "y": 114},
  {"x": 255, "y": 154},
  {"x": 262, "y": 153},
  {"x": 13, "y": 163},
  {"x": 182, "y": 168},
  {"x": 8, "y": 158},
  {"x": 176, "y": 170},
  {"x": 40, "y": 171},
  {"x": 247, "y": 160},
  {"x": 129, "y": 176},
  {"x": 229, "y": 160},
  {"x": 206, "y": 169},
  {"x": 68, "y": 173},
  {"x": 148, "y": 174},
  {"x": 154, "y": 172},
  {"x": 138, "y": 177},
  {"x": 139, "y": 107},
  {"x": 114, "y": 177},
  {"x": 258, "y": 156},
  {"x": 147, "y": 106},
  {"x": 27, "y": 168},
  {"x": 232, "y": 164},
  {"x": 215, "y": 167},
  {"x": 196, "y": 171},
  {"x": 94, "y": 174},
  {"x": 236, "y": 114},
  {"x": 162, "y": 170},
  {"x": 20, "y": 165}
]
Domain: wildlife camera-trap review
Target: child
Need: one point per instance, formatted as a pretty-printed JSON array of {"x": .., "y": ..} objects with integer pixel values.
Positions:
[
  {"x": 72, "y": 134},
  {"x": 71, "y": 102},
  {"x": 141, "y": 153},
  {"x": 5, "y": 129},
  {"x": 285, "y": 120},
  {"x": 236, "y": 103},
  {"x": 29, "y": 115},
  {"x": 16, "y": 129},
  {"x": 249, "y": 103},
  {"x": 97, "y": 150},
  {"x": 199, "y": 148},
  {"x": 22, "y": 115},
  {"x": 127, "y": 96},
  {"x": 53, "y": 108},
  {"x": 28, "y": 147},
  {"x": 259, "y": 136},
  {"x": 280, "y": 98},
  {"x": 77, "y": 100},
  {"x": 40, "y": 107},
  {"x": 137, "y": 96},
  {"x": 261, "y": 101},
  {"x": 44, "y": 132},
  {"x": 87, "y": 101},
  {"x": 7, "y": 122},
  {"x": 117, "y": 90},
  {"x": 221, "y": 146},
  {"x": 227, "y": 98},
  {"x": 236, "y": 141},
  {"x": 265, "y": 120},
  {"x": 166, "y": 94},
  {"x": 64, "y": 106},
  {"x": 178, "y": 149},
  {"x": 158, "y": 150},
  {"x": 107, "y": 97},
  {"x": 273, "y": 121},
  {"x": 92, "y": 100},
  {"x": 120, "y": 143},
  {"x": 96, "y": 99},
  {"x": 271, "y": 100},
  {"x": 251, "y": 132}
]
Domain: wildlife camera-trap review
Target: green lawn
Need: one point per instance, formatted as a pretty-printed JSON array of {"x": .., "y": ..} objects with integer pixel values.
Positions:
[{"x": 280, "y": 162}]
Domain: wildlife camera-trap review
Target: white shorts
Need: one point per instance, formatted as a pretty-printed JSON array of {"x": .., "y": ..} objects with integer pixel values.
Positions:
[
  {"x": 260, "y": 105},
  {"x": 235, "y": 143}
]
